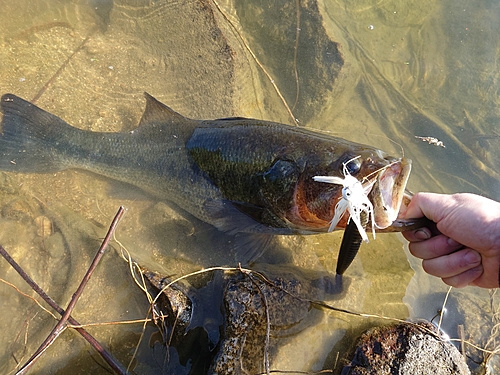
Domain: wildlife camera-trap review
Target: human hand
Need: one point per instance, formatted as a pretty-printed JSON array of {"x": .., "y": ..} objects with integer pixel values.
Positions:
[{"x": 463, "y": 248}]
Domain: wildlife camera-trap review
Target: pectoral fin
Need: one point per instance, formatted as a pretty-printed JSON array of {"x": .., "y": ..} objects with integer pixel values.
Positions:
[
  {"x": 251, "y": 238},
  {"x": 250, "y": 246},
  {"x": 233, "y": 218}
]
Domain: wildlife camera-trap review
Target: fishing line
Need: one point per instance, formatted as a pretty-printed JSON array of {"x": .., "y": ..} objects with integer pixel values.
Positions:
[{"x": 296, "y": 47}]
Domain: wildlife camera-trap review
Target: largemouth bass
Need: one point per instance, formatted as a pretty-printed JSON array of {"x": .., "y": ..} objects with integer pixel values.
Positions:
[{"x": 243, "y": 176}]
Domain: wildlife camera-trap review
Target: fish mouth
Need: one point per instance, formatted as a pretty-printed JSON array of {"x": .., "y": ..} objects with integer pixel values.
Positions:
[{"x": 388, "y": 192}]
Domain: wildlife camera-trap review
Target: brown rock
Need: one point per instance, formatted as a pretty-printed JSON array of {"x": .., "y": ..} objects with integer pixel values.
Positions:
[{"x": 405, "y": 349}]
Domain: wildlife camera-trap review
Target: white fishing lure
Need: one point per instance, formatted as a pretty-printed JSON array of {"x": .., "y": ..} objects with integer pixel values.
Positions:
[{"x": 354, "y": 198}]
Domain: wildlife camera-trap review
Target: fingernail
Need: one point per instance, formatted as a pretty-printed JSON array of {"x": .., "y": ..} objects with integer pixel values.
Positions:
[
  {"x": 453, "y": 243},
  {"x": 472, "y": 257},
  {"x": 422, "y": 234}
]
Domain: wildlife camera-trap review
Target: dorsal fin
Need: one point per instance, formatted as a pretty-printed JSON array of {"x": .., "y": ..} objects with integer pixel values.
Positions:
[{"x": 158, "y": 112}]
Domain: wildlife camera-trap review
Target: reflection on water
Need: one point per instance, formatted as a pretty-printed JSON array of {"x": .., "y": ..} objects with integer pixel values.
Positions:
[{"x": 378, "y": 74}]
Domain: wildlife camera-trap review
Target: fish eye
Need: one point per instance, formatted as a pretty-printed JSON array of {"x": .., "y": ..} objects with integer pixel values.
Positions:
[{"x": 353, "y": 166}]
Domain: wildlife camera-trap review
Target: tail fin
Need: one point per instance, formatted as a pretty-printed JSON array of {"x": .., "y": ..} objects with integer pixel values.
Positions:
[{"x": 27, "y": 140}]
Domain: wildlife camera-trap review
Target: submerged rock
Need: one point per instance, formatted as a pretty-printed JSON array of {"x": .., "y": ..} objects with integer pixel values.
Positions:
[
  {"x": 229, "y": 322},
  {"x": 405, "y": 349}
]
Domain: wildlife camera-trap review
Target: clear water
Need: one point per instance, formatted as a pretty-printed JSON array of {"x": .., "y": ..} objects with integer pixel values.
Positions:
[{"x": 423, "y": 68}]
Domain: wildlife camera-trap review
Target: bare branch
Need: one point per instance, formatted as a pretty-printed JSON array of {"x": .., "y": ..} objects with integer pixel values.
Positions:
[{"x": 66, "y": 315}]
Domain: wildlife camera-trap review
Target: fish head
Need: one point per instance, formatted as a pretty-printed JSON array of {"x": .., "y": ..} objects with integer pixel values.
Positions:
[{"x": 383, "y": 178}]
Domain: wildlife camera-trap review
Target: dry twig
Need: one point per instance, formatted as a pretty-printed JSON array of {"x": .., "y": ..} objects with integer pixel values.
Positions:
[{"x": 66, "y": 315}]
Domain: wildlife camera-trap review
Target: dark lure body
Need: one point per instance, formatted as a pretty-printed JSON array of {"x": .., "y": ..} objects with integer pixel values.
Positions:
[{"x": 240, "y": 175}]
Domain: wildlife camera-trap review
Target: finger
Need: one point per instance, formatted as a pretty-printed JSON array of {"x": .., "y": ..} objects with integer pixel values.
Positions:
[
  {"x": 490, "y": 275},
  {"x": 434, "y": 247},
  {"x": 453, "y": 264},
  {"x": 465, "y": 278},
  {"x": 429, "y": 205},
  {"x": 420, "y": 234}
]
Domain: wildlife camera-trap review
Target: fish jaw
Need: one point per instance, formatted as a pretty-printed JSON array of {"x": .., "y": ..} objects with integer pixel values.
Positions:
[{"x": 388, "y": 192}]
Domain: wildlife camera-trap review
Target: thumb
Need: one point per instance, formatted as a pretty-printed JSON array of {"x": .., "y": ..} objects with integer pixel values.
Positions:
[{"x": 430, "y": 205}]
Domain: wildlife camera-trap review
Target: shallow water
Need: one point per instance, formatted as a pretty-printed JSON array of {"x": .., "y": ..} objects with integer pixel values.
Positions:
[{"x": 409, "y": 69}]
